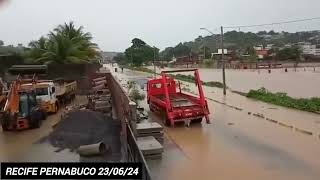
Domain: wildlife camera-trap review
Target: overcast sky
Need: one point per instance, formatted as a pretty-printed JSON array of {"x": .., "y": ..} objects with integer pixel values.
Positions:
[{"x": 113, "y": 23}]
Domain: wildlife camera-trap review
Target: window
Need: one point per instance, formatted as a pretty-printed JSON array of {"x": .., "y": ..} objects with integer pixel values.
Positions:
[
  {"x": 158, "y": 85},
  {"x": 42, "y": 91}
]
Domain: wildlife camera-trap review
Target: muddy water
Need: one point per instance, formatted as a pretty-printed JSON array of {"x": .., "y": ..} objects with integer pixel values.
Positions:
[
  {"x": 304, "y": 82},
  {"x": 237, "y": 145},
  {"x": 23, "y": 146}
]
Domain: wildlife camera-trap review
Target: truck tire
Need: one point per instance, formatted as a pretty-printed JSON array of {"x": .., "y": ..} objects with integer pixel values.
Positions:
[
  {"x": 199, "y": 120},
  {"x": 37, "y": 123},
  {"x": 167, "y": 121},
  {"x": 151, "y": 108},
  {"x": 36, "y": 119},
  {"x": 4, "y": 122},
  {"x": 44, "y": 115},
  {"x": 5, "y": 127},
  {"x": 56, "y": 108}
]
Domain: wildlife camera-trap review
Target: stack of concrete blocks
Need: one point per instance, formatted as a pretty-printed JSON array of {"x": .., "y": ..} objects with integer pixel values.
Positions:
[
  {"x": 101, "y": 98},
  {"x": 150, "y": 139}
]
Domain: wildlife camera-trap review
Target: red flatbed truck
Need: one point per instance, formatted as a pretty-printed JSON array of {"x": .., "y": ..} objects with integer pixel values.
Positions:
[{"x": 175, "y": 105}]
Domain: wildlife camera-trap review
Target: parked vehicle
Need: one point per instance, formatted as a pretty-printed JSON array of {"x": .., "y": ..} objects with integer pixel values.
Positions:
[
  {"x": 176, "y": 106},
  {"x": 52, "y": 94},
  {"x": 21, "y": 110}
]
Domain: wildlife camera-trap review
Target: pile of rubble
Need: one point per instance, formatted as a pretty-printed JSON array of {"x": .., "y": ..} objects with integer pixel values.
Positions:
[{"x": 89, "y": 128}]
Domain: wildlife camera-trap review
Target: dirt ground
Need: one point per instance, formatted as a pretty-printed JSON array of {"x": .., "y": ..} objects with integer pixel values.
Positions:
[{"x": 25, "y": 146}]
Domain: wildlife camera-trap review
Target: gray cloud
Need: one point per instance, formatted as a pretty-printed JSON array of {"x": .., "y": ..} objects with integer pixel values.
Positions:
[{"x": 113, "y": 23}]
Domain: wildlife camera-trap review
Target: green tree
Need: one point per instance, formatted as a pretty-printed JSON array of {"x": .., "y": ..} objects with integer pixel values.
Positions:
[
  {"x": 120, "y": 58},
  {"x": 292, "y": 53},
  {"x": 253, "y": 54},
  {"x": 1, "y": 43},
  {"x": 65, "y": 44},
  {"x": 140, "y": 52},
  {"x": 167, "y": 54},
  {"x": 181, "y": 50},
  {"x": 205, "y": 51}
]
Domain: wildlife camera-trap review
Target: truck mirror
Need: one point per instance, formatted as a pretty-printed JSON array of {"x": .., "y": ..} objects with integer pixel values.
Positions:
[{"x": 53, "y": 90}]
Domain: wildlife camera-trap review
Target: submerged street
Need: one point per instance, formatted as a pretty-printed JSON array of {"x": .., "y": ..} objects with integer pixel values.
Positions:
[{"x": 237, "y": 144}]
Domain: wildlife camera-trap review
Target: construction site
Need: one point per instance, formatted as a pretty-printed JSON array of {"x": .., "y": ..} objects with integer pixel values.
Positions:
[
  {"x": 174, "y": 133},
  {"x": 115, "y": 90}
]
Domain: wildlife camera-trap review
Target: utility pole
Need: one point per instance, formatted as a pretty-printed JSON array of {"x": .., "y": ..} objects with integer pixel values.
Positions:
[
  {"x": 222, "y": 59},
  {"x": 154, "y": 59},
  {"x": 223, "y": 64},
  {"x": 131, "y": 58}
]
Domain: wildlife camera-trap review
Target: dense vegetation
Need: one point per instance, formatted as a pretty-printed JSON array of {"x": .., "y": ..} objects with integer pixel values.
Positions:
[
  {"x": 65, "y": 44},
  {"x": 282, "y": 99}
]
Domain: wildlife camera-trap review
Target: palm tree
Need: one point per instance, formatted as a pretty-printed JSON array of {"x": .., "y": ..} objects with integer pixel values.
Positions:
[{"x": 65, "y": 44}]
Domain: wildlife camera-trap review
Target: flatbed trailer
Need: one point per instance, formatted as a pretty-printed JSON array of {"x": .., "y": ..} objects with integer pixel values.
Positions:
[{"x": 175, "y": 105}]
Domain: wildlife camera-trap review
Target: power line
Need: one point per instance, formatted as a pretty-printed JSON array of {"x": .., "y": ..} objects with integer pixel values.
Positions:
[{"x": 275, "y": 23}]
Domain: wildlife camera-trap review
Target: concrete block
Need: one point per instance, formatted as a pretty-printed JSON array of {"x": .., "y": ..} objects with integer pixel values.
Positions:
[
  {"x": 147, "y": 127},
  {"x": 149, "y": 145}
]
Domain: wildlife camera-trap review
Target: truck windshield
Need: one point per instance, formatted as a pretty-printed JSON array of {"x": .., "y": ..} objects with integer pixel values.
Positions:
[
  {"x": 23, "y": 106},
  {"x": 42, "y": 91}
]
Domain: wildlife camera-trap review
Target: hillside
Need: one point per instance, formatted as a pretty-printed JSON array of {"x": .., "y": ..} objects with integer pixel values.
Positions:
[{"x": 239, "y": 41}]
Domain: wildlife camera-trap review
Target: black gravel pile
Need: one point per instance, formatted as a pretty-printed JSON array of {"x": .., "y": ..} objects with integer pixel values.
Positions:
[{"x": 82, "y": 127}]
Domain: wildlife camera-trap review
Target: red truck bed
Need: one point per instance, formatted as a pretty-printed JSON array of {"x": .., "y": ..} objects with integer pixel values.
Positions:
[
  {"x": 176, "y": 105},
  {"x": 178, "y": 100}
]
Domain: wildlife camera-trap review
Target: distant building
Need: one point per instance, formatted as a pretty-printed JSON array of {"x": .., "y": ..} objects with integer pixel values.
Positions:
[
  {"x": 261, "y": 52},
  {"x": 310, "y": 49},
  {"x": 225, "y": 51}
]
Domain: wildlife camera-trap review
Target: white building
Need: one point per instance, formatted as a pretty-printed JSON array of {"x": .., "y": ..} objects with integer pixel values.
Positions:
[{"x": 310, "y": 49}]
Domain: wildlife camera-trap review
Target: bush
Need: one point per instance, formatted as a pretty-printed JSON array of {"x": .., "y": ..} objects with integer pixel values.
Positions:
[
  {"x": 282, "y": 99},
  {"x": 134, "y": 93}
]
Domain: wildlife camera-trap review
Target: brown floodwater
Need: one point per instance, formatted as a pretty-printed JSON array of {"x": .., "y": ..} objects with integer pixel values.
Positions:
[
  {"x": 302, "y": 82},
  {"x": 238, "y": 145}
]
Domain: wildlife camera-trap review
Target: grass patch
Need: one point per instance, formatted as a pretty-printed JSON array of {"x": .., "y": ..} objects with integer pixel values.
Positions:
[{"x": 282, "y": 99}]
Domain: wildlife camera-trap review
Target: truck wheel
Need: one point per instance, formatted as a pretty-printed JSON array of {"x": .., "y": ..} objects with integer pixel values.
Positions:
[
  {"x": 199, "y": 120},
  {"x": 151, "y": 108},
  {"x": 37, "y": 123},
  {"x": 4, "y": 122},
  {"x": 36, "y": 119},
  {"x": 44, "y": 115},
  {"x": 5, "y": 127},
  {"x": 56, "y": 108},
  {"x": 167, "y": 122}
]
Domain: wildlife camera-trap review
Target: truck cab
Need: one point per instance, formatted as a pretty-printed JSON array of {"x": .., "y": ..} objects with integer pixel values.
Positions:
[{"x": 46, "y": 96}]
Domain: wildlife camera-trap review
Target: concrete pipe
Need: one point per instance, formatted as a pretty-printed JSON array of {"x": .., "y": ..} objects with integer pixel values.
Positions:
[
  {"x": 92, "y": 149},
  {"x": 99, "y": 87},
  {"x": 99, "y": 82},
  {"x": 99, "y": 79}
]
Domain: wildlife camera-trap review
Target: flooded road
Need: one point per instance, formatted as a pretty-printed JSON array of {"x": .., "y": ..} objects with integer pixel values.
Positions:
[
  {"x": 304, "y": 82},
  {"x": 238, "y": 145}
]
